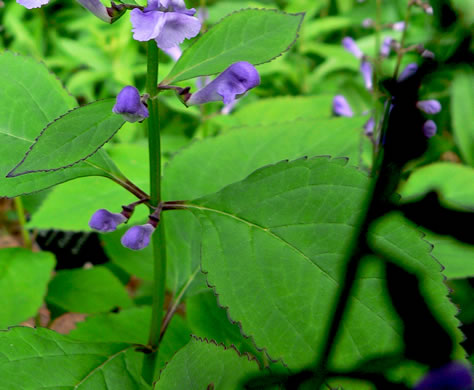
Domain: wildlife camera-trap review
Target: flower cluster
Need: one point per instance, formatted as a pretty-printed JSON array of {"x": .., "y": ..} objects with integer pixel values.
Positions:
[
  {"x": 341, "y": 107},
  {"x": 137, "y": 237}
]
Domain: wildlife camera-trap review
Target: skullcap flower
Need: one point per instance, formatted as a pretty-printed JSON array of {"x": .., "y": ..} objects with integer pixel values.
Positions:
[
  {"x": 32, "y": 3},
  {"x": 340, "y": 106},
  {"x": 129, "y": 105},
  {"x": 174, "y": 52},
  {"x": 232, "y": 83},
  {"x": 452, "y": 376},
  {"x": 366, "y": 70},
  {"x": 429, "y": 128},
  {"x": 168, "y": 22},
  {"x": 409, "y": 71},
  {"x": 386, "y": 47},
  {"x": 104, "y": 221},
  {"x": 369, "y": 126},
  {"x": 429, "y": 106},
  {"x": 350, "y": 45},
  {"x": 138, "y": 237},
  {"x": 398, "y": 26}
]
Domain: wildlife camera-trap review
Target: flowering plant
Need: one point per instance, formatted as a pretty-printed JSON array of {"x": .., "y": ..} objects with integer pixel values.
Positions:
[{"x": 243, "y": 239}]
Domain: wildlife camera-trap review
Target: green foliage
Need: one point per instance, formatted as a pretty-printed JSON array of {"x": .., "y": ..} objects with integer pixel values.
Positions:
[
  {"x": 277, "y": 273},
  {"x": 40, "y": 357},
  {"x": 201, "y": 363},
  {"x": 131, "y": 326},
  {"x": 39, "y": 99},
  {"x": 87, "y": 291},
  {"x": 453, "y": 182},
  {"x": 463, "y": 116},
  {"x": 208, "y": 166},
  {"x": 71, "y": 138},
  {"x": 255, "y": 36},
  {"x": 24, "y": 276}
]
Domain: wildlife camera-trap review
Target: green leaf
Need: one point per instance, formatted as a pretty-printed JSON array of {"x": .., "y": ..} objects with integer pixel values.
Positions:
[
  {"x": 462, "y": 100},
  {"x": 32, "y": 359},
  {"x": 208, "y": 166},
  {"x": 203, "y": 362},
  {"x": 278, "y": 110},
  {"x": 208, "y": 320},
  {"x": 273, "y": 247},
  {"x": 24, "y": 277},
  {"x": 30, "y": 98},
  {"x": 132, "y": 326},
  {"x": 71, "y": 138},
  {"x": 71, "y": 205},
  {"x": 453, "y": 255},
  {"x": 453, "y": 182},
  {"x": 87, "y": 291},
  {"x": 252, "y": 35}
]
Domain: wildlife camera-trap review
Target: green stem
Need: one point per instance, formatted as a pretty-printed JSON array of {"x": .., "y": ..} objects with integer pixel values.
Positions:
[
  {"x": 158, "y": 238},
  {"x": 20, "y": 212},
  {"x": 401, "y": 52}
]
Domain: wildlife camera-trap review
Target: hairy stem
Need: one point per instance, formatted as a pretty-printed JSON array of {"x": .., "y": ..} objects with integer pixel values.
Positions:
[{"x": 158, "y": 238}]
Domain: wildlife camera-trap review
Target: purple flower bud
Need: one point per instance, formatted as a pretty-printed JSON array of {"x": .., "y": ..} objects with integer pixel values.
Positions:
[
  {"x": 340, "y": 106},
  {"x": 429, "y": 106},
  {"x": 232, "y": 83},
  {"x": 129, "y": 105},
  {"x": 386, "y": 47},
  {"x": 428, "y": 54},
  {"x": 409, "y": 71},
  {"x": 398, "y": 26},
  {"x": 369, "y": 126},
  {"x": 429, "y": 128},
  {"x": 428, "y": 9},
  {"x": 367, "y": 23},
  {"x": 168, "y": 22},
  {"x": 32, "y": 3},
  {"x": 350, "y": 45},
  {"x": 98, "y": 9},
  {"x": 366, "y": 70},
  {"x": 137, "y": 237},
  {"x": 452, "y": 376},
  {"x": 104, "y": 221}
]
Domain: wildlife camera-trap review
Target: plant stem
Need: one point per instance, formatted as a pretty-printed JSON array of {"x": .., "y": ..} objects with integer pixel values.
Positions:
[
  {"x": 401, "y": 52},
  {"x": 20, "y": 212},
  {"x": 158, "y": 238}
]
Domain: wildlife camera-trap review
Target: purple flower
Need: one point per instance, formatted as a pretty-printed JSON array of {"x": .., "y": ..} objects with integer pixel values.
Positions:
[
  {"x": 429, "y": 128},
  {"x": 369, "y": 126},
  {"x": 429, "y": 106},
  {"x": 138, "y": 237},
  {"x": 168, "y": 22},
  {"x": 99, "y": 10},
  {"x": 367, "y": 23},
  {"x": 452, "y": 376},
  {"x": 32, "y": 3},
  {"x": 366, "y": 70},
  {"x": 409, "y": 71},
  {"x": 350, "y": 45},
  {"x": 386, "y": 47},
  {"x": 129, "y": 105},
  {"x": 398, "y": 26},
  {"x": 174, "y": 52},
  {"x": 340, "y": 106},
  {"x": 232, "y": 83},
  {"x": 104, "y": 221}
]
